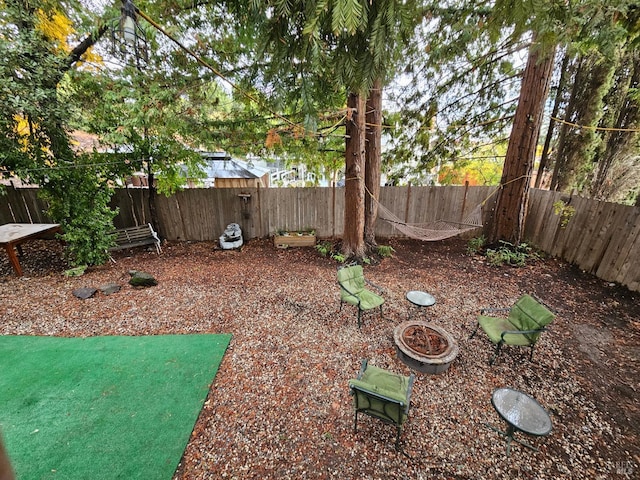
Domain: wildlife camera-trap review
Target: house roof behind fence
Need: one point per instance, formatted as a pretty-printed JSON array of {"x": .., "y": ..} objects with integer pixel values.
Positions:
[{"x": 221, "y": 165}]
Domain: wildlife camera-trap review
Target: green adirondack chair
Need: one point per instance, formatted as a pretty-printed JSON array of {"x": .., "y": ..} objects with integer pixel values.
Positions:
[
  {"x": 354, "y": 292},
  {"x": 383, "y": 395},
  {"x": 527, "y": 319}
]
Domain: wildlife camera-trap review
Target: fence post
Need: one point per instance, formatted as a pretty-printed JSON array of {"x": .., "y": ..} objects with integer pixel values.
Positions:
[
  {"x": 406, "y": 207},
  {"x": 464, "y": 199}
]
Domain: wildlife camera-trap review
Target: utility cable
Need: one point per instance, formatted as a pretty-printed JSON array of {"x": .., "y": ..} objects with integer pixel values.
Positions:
[
  {"x": 219, "y": 74},
  {"x": 602, "y": 129}
]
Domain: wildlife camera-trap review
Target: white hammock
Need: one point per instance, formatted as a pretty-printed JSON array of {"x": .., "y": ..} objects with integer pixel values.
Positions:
[{"x": 438, "y": 230}]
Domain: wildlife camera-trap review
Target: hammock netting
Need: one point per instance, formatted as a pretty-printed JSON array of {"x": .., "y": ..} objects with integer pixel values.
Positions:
[{"x": 438, "y": 230}]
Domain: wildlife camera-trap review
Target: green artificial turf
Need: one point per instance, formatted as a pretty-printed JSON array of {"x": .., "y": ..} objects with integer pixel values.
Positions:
[{"x": 103, "y": 407}]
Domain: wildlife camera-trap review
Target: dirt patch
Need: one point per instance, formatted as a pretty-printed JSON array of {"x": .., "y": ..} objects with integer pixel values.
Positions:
[
  {"x": 280, "y": 407},
  {"x": 594, "y": 342}
]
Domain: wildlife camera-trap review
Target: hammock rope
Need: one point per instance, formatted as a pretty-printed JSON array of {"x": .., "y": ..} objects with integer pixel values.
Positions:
[{"x": 438, "y": 230}]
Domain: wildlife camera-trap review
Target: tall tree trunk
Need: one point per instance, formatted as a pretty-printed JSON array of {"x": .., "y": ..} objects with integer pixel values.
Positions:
[
  {"x": 507, "y": 222},
  {"x": 353, "y": 236},
  {"x": 544, "y": 158},
  {"x": 619, "y": 145},
  {"x": 373, "y": 161},
  {"x": 593, "y": 81},
  {"x": 565, "y": 128}
]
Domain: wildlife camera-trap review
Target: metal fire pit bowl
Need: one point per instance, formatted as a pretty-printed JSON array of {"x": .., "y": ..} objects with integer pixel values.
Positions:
[{"x": 418, "y": 361}]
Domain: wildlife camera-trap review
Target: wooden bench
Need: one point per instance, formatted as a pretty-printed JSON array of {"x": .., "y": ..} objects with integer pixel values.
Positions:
[{"x": 135, "y": 237}]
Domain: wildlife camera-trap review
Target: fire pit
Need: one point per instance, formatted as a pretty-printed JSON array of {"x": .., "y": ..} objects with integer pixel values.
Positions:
[{"x": 424, "y": 347}]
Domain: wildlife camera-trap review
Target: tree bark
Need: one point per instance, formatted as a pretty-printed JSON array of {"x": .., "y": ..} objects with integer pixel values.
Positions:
[
  {"x": 592, "y": 80},
  {"x": 554, "y": 114},
  {"x": 619, "y": 144},
  {"x": 372, "y": 161},
  {"x": 507, "y": 222},
  {"x": 564, "y": 128},
  {"x": 353, "y": 236}
]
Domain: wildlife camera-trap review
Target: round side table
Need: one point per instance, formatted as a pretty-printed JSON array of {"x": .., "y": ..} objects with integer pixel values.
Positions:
[
  {"x": 420, "y": 300},
  {"x": 521, "y": 413}
]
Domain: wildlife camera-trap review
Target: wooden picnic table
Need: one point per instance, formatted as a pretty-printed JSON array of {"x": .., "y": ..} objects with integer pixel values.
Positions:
[{"x": 14, "y": 234}]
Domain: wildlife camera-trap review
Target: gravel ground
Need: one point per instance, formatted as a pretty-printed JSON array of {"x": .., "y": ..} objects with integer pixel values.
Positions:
[{"x": 280, "y": 406}]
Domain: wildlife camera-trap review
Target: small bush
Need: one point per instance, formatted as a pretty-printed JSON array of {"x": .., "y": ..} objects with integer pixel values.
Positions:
[
  {"x": 509, "y": 254},
  {"x": 324, "y": 248},
  {"x": 476, "y": 244},
  {"x": 385, "y": 251},
  {"x": 338, "y": 257}
]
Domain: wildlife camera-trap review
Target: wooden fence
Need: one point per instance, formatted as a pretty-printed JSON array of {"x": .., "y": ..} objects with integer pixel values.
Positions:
[
  {"x": 601, "y": 238},
  {"x": 203, "y": 214}
]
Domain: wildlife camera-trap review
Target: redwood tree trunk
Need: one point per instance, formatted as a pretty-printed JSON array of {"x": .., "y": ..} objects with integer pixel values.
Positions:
[
  {"x": 619, "y": 143},
  {"x": 372, "y": 161},
  {"x": 353, "y": 236},
  {"x": 554, "y": 114},
  {"x": 507, "y": 222},
  {"x": 592, "y": 80}
]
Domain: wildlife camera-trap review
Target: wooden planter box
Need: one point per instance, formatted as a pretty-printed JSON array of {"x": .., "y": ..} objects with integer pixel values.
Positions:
[{"x": 294, "y": 240}]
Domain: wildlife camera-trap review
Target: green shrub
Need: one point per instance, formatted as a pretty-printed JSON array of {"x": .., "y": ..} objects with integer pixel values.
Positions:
[
  {"x": 339, "y": 257},
  {"x": 476, "y": 244},
  {"x": 80, "y": 204},
  {"x": 509, "y": 254},
  {"x": 324, "y": 248},
  {"x": 385, "y": 251}
]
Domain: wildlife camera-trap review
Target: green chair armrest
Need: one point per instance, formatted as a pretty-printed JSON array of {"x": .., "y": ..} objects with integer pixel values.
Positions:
[
  {"x": 379, "y": 393},
  {"x": 380, "y": 289},
  {"x": 493, "y": 310},
  {"x": 363, "y": 367},
  {"x": 521, "y": 332}
]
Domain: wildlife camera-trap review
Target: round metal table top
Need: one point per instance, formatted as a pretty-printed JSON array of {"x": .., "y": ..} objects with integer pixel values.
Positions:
[
  {"x": 421, "y": 299},
  {"x": 521, "y": 411}
]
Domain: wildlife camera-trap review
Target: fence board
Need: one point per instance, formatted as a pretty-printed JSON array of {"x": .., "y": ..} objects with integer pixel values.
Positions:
[
  {"x": 629, "y": 274},
  {"x": 169, "y": 219},
  {"x": 593, "y": 249},
  {"x": 601, "y": 237},
  {"x": 10, "y": 212},
  {"x": 574, "y": 234},
  {"x": 589, "y": 233},
  {"x": 132, "y": 205},
  {"x": 22, "y": 205},
  {"x": 550, "y": 234},
  {"x": 397, "y": 204},
  {"x": 626, "y": 229}
]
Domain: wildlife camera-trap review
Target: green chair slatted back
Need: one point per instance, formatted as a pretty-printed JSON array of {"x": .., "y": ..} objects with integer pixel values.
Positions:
[
  {"x": 354, "y": 292},
  {"x": 383, "y": 395},
  {"x": 351, "y": 280},
  {"x": 527, "y": 319},
  {"x": 528, "y": 314}
]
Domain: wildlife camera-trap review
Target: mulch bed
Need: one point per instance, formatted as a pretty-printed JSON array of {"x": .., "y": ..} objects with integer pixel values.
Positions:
[{"x": 280, "y": 406}]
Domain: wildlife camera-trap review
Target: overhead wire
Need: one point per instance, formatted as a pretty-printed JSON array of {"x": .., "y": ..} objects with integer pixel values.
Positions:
[
  {"x": 221, "y": 75},
  {"x": 600, "y": 129}
]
